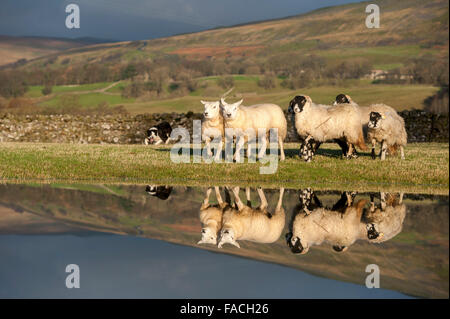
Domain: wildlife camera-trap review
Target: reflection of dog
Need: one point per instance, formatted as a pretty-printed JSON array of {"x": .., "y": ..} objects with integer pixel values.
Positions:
[
  {"x": 162, "y": 192},
  {"x": 158, "y": 134}
]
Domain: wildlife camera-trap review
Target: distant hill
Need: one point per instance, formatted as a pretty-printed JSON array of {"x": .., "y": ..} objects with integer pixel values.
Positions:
[
  {"x": 13, "y": 49},
  {"x": 333, "y": 32}
]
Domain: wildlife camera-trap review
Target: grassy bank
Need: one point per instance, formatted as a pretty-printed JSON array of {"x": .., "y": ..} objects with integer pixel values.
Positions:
[{"x": 426, "y": 168}]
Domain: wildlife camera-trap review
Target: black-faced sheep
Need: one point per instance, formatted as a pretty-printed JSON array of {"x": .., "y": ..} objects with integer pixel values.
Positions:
[
  {"x": 389, "y": 130},
  {"x": 316, "y": 123}
]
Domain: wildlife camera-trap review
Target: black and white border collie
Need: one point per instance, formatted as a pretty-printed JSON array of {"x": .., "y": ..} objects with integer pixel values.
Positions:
[{"x": 158, "y": 134}]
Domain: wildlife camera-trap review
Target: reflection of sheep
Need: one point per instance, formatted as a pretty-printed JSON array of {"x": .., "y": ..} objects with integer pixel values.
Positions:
[
  {"x": 257, "y": 225},
  {"x": 212, "y": 126},
  {"x": 389, "y": 130},
  {"x": 340, "y": 228},
  {"x": 343, "y": 224},
  {"x": 385, "y": 222},
  {"x": 252, "y": 118},
  {"x": 211, "y": 216},
  {"x": 365, "y": 116},
  {"x": 322, "y": 123}
]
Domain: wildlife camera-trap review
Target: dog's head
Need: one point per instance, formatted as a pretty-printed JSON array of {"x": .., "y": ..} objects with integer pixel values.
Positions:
[{"x": 152, "y": 135}]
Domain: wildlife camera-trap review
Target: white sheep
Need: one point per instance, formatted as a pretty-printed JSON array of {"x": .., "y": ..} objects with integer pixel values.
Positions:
[
  {"x": 245, "y": 119},
  {"x": 212, "y": 127},
  {"x": 389, "y": 130},
  {"x": 246, "y": 223},
  {"x": 365, "y": 111},
  {"x": 323, "y": 123},
  {"x": 211, "y": 216}
]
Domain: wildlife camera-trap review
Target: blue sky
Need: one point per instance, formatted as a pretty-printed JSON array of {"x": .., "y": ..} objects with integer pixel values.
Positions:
[{"x": 142, "y": 19}]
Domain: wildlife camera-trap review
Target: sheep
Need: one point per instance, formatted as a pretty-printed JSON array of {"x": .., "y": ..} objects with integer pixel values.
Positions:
[
  {"x": 316, "y": 123},
  {"x": 211, "y": 216},
  {"x": 313, "y": 225},
  {"x": 389, "y": 130},
  {"x": 365, "y": 117},
  {"x": 246, "y": 223},
  {"x": 385, "y": 222},
  {"x": 212, "y": 127},
  {"x": 255, "y": 117},
  {"x": 343, "y": 224}
]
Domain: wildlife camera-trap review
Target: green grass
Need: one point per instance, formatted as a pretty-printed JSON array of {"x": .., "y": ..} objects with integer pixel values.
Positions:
[
  {"x": 425, "y": 170},
  {"x": 36, "y": 90},
  {"x": 89, "y": 99}
]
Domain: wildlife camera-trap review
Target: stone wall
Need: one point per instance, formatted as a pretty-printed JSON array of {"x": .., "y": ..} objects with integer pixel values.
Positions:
[{"x": 126, "y": 129}]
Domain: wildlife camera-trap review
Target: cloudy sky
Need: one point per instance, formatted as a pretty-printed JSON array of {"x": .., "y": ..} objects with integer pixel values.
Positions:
[{"x": 142, "y": 19}]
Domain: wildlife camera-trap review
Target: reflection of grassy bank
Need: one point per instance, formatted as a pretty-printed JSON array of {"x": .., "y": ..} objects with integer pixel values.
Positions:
[{"x": 425, "y": 169}]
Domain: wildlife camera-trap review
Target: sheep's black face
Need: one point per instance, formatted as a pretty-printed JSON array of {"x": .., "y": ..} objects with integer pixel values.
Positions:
[
  {"x": 342, "y": 99},
  {"x": 297, "y": 104},
  {"x": 372, "y": 233},
  {"x": 374, "y": 120},
  {"x": 294, "y": 244}
]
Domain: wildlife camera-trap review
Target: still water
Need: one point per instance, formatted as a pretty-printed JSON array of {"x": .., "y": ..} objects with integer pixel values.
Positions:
[{"x": 138, "y": 241}]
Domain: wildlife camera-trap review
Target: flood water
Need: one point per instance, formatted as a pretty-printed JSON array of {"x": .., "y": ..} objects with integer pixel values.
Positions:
[{"x": 134, "y": 241}]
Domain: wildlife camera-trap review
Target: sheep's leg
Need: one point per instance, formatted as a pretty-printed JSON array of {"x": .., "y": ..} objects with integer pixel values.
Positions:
[
  {"x": 349, "y": 151},
  {"x": 219, "y": 151},
  {"x": 205, "y": 203},
  {"x": 281, "y": 145},
  {"x": 400, "y": 200},
  {"x": 263, "y": 148},
  {"x": 159, "y": 142},
  {"x": 383, "y": 150},
  {"x": 374, "y": 143},
  {"x": 168, "y": 140},
  {"x": 208, "y": 146},
  {"x": 280, "y": 200},
  {"x": 237, "y": 154},
  {"x": 402, "y": 152},
  {"x": 262, "y": 199},
  {"x": 218, "y": 196},
  {"x": 372, "y": 203},
  {"x": 383, "y": 201},
  {"x": 237, "y": 199},
  {"x": 247, "y": 195}
]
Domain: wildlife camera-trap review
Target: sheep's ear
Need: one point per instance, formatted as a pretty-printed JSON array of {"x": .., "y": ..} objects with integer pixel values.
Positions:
[
  {"x": 203, "y": 102},
  {"x": 308, "y": 98},
  {"x": 239, "y": 102},
  {"x": 222, "y": 101},
  {"x": 201, "y": 242}
]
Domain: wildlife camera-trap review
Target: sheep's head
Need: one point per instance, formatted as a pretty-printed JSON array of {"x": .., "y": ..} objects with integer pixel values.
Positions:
[
  {"x": 229, "y": 110},
  {"x": 227, "y": 237},
  {"x": 298, "y": 103},
  {"x": 375, "y": 120},
  {"x": 373, "y": 235},
  {"x": 212, "y": 109},
  {"x": 343, "y": 99},
  {"x": 208, "y": 237},
  {"x": 295, "y": 244}
]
